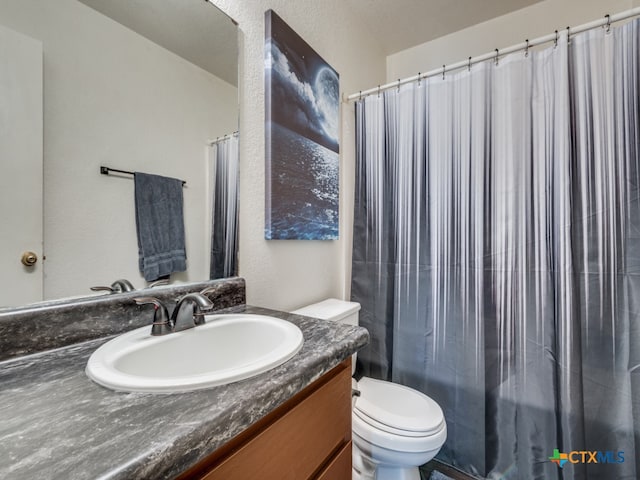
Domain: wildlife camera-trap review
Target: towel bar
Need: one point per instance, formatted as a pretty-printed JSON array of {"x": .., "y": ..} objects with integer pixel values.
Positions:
[{"x": 106, "y": 170}]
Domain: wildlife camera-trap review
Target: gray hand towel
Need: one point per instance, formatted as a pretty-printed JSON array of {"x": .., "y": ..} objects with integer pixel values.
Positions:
[{"x": 160, "y": 225}]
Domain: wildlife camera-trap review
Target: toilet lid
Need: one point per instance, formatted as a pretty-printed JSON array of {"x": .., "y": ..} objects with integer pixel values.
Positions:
[{"x": 398, "y": 407}]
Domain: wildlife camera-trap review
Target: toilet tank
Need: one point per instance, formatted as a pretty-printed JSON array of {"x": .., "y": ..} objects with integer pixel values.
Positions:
[
  {"x": 332, "y": 309},
  {"x": 336, "y": 311}
]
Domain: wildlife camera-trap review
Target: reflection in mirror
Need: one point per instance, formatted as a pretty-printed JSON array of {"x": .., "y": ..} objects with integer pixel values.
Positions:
[
  {"x": 136, "y": 85},
  {"x": 224, "y": 236}
]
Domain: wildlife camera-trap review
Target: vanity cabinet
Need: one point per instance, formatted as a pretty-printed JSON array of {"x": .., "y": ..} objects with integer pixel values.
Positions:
[{"x": 308, "y": 437}]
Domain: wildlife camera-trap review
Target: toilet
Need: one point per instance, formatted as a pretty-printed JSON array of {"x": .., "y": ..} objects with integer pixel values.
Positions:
[{"x": 395, "y": 428}]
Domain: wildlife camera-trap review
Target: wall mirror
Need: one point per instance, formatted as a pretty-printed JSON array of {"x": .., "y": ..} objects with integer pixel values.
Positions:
[{"x": 136, "y": 85}]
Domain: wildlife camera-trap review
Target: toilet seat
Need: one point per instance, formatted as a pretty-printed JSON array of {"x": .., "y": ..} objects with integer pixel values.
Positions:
[
  {"x": 397, "y": 409},
  {"x": 386, "y": 428},
  {"x": 396, "y": 417},
  {"x": 379, "y": 439}
]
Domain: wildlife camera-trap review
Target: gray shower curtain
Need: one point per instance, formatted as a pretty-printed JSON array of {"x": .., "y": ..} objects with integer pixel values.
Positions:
[
  {"x": 496, "y": 255},
  {"x": 225, "y": 163}
]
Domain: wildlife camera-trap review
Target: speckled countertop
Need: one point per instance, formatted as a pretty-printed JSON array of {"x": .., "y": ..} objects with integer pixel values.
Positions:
[{"x": 56, "y": 423}]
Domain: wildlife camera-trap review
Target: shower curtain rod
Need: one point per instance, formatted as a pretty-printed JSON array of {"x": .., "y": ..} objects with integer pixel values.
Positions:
[
  {"x": 211, "y": 143},
  {"x": 604, "y": 22}
]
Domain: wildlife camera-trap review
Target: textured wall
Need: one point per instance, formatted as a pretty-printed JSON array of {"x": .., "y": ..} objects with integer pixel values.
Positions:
[
  {"x": 531, "y": 22},
  {"x": 287, "y": 274}
]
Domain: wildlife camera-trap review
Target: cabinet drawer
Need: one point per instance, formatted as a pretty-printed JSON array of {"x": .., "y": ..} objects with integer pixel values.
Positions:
[
  {"x": 296, "y": 445},
  {"x": 340, "y": 466}
]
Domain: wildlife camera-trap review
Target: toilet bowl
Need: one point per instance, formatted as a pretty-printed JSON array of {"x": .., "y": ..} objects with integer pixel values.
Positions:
[{"x": 395, "y": 428}]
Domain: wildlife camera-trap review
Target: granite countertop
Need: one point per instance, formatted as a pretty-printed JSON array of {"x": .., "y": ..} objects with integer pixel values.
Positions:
[{"x": 56, "y": 423}]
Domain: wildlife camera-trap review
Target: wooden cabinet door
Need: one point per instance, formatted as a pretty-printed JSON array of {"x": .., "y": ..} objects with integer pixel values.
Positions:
[{"x": 311, "y": 440}]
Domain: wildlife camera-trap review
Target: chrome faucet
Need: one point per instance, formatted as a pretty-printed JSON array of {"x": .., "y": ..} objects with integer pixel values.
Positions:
[
  {"x": 189, "y": 312},
  {"x": 119, "y": 286}
]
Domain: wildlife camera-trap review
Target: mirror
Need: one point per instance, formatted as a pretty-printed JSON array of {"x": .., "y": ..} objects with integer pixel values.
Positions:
[{"x": 135, "y": 85}]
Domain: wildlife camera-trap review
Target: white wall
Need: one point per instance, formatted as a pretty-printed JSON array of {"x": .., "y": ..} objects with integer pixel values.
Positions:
[
  {"x": 531, "y": 22},
  {"x": 286, "y": 274},
  {"x": 107, "y": 95}
]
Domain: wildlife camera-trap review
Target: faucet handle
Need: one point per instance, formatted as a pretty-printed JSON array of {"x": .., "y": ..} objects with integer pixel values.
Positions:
[
  {"x": 102, "y": 289},
  {"x": 208, "y": 290},
  {"x": 161, "y": 323},
  {"x": 199, "y": 313},
  {"x": 159, "y": 283},
  {"x": 121, "y": 285},
  {"x": 148, "y": 300}
]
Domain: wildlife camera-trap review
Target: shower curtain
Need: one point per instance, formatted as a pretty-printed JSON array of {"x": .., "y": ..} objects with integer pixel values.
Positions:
[
  {"x": 224, "y": 161},
  {"x": 496, "y": 255}
]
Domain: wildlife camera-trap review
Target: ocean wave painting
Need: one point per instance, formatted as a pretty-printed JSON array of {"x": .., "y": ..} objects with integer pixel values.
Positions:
[{"x": 302, "y": 138}]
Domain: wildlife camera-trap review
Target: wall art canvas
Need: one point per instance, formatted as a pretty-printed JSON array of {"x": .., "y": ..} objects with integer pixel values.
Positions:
[{"x": 302, "y": 138}]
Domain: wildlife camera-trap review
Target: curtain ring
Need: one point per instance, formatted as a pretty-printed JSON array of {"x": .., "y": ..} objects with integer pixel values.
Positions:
[
  {"x": 398, "y": 84},
  {"x": 555, "y": 42},
  {"x": 419, "y": 78},
  {"x": 360, "y": 98},
  {"x": 469, "y": 64},
  {"x": 497, "y": 53},
  {"x": 378, "y": 91},
  {"x": 526, "y": 49},
  {"x": 568, "y": 34},
  {"x": 608, "y": 24},
  {"x": 443, "y": 70}
]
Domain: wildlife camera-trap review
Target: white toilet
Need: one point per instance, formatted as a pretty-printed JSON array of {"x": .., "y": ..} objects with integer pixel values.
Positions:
[{"x": 395, "y": 428}]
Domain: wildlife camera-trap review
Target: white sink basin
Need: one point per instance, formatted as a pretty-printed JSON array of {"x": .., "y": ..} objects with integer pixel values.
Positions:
[{"x": 227, "y": 348}]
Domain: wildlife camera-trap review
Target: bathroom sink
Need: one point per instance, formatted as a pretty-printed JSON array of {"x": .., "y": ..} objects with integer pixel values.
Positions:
[{"x": 227, "y": 348}]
